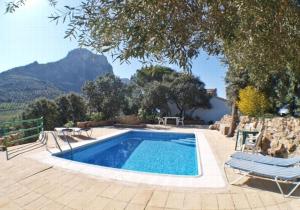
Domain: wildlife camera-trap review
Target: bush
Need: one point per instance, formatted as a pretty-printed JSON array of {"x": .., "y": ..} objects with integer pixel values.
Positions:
[
  {"x": 129, "y": 119},
  {"x": 252, "y": 102},
  {"x": 146, "y": 116},
  {"x": 97, "y": 116},
  {"x": 43, "y": 108},
  {"x": 69, "y": 124},
  {"x": 66, "y": 109}
]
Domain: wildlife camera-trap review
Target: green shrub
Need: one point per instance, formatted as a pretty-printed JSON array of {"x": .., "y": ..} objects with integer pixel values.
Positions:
[
  {"x": 69, "y": 124},
  {"x": 43, "y": 108},
  {"x": 146, "y": 116},
  {"x": 97, "y": 116}
]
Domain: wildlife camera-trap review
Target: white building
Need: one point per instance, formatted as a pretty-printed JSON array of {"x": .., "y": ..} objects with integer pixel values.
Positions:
[{"x": 219, "y": 107}]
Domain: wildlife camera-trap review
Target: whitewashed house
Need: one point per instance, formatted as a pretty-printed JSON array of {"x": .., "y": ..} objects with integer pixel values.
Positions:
[{"x": 219, "y": 107}]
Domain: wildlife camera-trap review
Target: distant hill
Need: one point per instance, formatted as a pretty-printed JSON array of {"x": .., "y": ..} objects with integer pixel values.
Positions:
[
  {"x": 14, "y": 88},
  {"x": 49, "y": 80}
]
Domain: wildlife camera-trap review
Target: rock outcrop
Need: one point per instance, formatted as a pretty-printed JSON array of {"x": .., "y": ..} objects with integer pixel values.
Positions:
[
  {"x": 225, "y": 121},
  {"x": 68, "y": 74},
  {"x": 281, "y": 136}
]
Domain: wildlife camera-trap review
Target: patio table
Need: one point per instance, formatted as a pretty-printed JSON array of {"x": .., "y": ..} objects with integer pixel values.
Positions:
[
  {"x": 60, "y": 130},
  {"x": 166, "y": 120},
  {"x": 73, "y": 131}
]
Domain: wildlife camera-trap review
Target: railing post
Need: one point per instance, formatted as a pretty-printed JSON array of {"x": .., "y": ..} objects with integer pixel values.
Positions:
[
  {"x": 5, "y": 146},
  {"x": 6, "y": 153},
  {"x": 42, "y": 124}
]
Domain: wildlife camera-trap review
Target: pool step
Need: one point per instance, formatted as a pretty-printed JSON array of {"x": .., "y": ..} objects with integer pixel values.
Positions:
[
  {"x": 134, "y": 138},
  {"x": 185, "y": 141}
]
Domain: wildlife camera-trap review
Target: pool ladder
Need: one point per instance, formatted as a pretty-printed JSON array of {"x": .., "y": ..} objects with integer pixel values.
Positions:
[{"x": 65, "y": 139}]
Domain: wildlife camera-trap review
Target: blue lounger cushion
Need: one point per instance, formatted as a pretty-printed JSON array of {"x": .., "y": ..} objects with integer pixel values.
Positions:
[
  {"x": 284, "y": 162},
  {"x": 264, "y": 170}
]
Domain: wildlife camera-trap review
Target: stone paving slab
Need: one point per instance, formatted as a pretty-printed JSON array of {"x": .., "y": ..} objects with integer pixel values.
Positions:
[{"x": 28, "y": 184}]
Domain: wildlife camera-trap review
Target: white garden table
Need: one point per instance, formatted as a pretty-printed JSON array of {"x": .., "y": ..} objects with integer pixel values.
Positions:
[
  {"x": 73, "y": 131},
  {"x": 167, "y": 118},
  {"x": 60, "y": 131}
]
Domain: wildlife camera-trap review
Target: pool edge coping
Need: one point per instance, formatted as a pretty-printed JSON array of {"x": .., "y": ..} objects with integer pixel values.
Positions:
[{"x": 210, "y": 176}]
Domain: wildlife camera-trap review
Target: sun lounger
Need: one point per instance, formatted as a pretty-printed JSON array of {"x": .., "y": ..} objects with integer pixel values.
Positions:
[
  {"x": 79, "y": 131},
  {"x": 88, "y": 131},
  {"x": 284, "y": 162},
  {"x": 73, "y": 131},
  {"x": 269, "y": 172}
]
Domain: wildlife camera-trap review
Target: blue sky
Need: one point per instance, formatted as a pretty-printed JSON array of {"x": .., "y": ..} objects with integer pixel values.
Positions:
[{"x": 28, "y": 35}]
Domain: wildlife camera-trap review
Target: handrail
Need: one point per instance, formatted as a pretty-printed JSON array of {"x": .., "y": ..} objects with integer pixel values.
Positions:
[
  {"x": 56, "y": 141},
  {"x": 25, "y": 138},
  {"x": 23, "y": 130},
  {"x": 63, "y": 131},
  {"x": 64, "y": 139},
  {"x": 34, "y": 125},
  {"x": 21, "y": 121}
]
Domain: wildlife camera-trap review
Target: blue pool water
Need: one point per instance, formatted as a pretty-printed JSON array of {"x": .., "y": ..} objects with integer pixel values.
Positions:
[{"x": 154, "y": 152}]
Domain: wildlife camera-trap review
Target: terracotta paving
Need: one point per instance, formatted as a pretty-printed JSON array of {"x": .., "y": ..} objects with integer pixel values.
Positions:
[{"x": 29, "y": 184}]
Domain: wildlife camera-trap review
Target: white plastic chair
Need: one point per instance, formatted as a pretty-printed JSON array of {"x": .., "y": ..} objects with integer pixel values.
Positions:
[
  {"x": 180, "y": 120},
  {"x": 252, "y": 142},
  {"x": 161, "y": 120}
]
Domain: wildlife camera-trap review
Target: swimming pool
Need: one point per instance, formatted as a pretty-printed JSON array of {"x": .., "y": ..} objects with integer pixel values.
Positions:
[{"x": 142, "y": 151}]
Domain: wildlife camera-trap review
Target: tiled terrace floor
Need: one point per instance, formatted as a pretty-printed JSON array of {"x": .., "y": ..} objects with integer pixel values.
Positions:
[{"x": 29, "y": 184}]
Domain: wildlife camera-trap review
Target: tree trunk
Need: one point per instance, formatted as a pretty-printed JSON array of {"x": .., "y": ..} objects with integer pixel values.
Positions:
[
  {"x": 180, "y": 108},
  {"x": 234, "y": 114}
]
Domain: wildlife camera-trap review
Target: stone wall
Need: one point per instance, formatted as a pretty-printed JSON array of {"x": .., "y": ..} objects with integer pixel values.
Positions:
[
  {"x": 89, "y": 124},
  {"x": 281, "y": 134},
  {"x": 222, "y": 125},
  {"x": 129, "y": 119}
]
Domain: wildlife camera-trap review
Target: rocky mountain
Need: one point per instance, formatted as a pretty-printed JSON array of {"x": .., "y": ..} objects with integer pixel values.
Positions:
[
  {"x": 51, "y": 79},
  {"x": 126, "y": 81}
]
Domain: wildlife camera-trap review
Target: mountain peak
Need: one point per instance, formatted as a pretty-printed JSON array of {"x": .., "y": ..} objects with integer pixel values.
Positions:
[
  {"x": 49, "y": 79},
  {"x": 80, "y": 53},
  {"x": 34, "y": 63}
]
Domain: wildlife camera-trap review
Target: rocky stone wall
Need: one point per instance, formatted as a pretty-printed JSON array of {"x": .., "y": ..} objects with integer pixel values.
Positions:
[
  {"x": 281, "y": 136},
  {"x": 225, "y": 120}
]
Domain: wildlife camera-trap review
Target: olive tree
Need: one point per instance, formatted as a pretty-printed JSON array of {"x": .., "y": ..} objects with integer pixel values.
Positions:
[
  {"x": 155, "y": 98},
  {"x": 105, "y": 95},
  {"x": 71, "y": 107},
  {"x": 147, "y": 91},
  {"x": 187, "y": 92},
  {"x": 64, "y": 109},
  {"x": 236, "y": 79},
  {"x": 260, "y": 35},
  {"x": 43, "y": 108},
  {"x": 78, "y": 107},
  {"x": 161, "y": 86}
]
